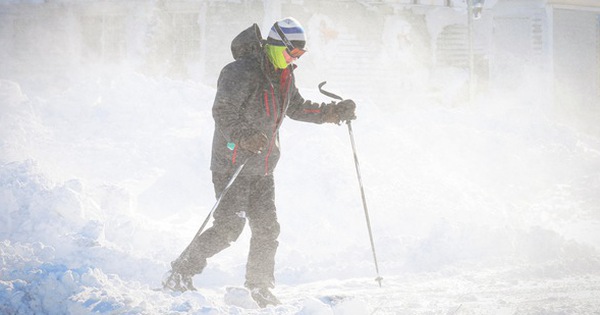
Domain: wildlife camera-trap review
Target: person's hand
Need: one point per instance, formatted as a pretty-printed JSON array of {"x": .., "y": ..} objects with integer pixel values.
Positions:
[
  {"x": 346, "y": 110},
  {"x": 342, "y": 111},
  {"x": 254, "y": 142}
]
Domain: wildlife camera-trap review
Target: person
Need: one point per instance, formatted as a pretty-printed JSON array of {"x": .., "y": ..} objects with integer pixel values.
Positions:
[{"x": 254, "y": 94}]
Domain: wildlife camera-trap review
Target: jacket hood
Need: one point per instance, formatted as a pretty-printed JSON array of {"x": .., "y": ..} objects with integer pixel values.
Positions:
[{"x": 248, "y": 42}]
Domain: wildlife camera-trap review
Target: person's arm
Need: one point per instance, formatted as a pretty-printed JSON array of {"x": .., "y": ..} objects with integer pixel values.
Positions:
[
  {"x": 305, "y": 110},
  {"x": 233, "y": 89}
]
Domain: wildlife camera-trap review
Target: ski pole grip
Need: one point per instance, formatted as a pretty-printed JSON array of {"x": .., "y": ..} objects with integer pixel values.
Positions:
[{"x": 326, "y": 93}]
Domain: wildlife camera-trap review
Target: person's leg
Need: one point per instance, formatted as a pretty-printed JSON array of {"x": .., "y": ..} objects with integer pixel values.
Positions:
[
  {"x": 227, "y": 226},
  {"x": 262, "y": 218}
]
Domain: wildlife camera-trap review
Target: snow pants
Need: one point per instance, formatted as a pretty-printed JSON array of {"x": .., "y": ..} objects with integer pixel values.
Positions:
[{"x": 250, "y": 198}]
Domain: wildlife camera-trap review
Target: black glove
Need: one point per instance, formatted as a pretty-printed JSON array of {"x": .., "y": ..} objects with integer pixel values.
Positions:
[
  {"x": 346, "y": 109},
  {"x": 254, "y": 141},
  {"x": 342, "y": 111}
]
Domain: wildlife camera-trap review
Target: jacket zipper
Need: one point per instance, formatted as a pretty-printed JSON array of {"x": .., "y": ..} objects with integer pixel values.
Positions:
[
  {"x": 284, "y": 86},
  {"x": 272, "y": 142}
]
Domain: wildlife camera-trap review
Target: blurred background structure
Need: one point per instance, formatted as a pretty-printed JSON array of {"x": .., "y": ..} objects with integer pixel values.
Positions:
[{"x": 387, "y": 47}]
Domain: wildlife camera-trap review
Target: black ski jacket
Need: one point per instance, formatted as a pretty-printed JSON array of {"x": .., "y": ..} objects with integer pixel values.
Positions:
[{"x": 254, "y": 97}]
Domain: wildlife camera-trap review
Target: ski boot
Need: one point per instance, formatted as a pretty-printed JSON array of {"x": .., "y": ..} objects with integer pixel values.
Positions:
[
  {"x": 176, "y": 281},
  {"x": 264, "y": 297}
]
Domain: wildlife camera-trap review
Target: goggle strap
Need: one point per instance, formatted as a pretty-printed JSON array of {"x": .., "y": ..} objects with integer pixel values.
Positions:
[{"x": 284, "y": 39}]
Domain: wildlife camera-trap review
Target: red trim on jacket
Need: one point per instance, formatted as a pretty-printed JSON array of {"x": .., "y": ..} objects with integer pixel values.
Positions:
[
  {"x": 234, "y": 156},
  {"x": 312, "y": 111}
]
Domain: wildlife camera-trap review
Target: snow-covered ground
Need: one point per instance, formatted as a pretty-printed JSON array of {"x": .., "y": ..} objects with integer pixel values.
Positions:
[
  {"x": 490, "y": 208},
  {"x": 485, "y": 209}
]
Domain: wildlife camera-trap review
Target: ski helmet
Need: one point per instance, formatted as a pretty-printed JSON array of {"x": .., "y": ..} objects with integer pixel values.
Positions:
[{"x": 287, "y": 32}]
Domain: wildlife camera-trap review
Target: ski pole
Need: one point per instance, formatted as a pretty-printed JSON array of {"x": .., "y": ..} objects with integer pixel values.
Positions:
[
  {"x": 360, "y": 183},
  {"x": 237, "y": 172}
]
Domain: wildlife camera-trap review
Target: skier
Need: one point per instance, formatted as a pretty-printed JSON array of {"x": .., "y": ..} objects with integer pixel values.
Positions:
[{"x": 254, "y": 93}]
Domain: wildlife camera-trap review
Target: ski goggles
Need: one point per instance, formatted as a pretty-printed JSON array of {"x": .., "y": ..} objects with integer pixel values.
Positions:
[{"x": 294, "y": 52}]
